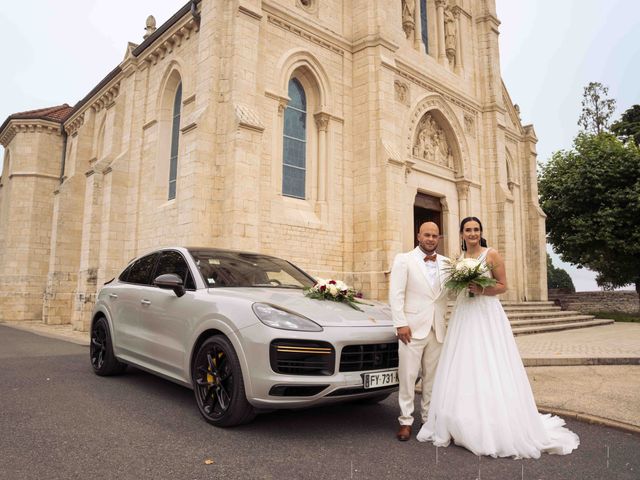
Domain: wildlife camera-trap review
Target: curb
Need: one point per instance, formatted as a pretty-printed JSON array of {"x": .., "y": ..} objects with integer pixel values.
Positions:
[
  {"x": 593, "y": 419},
  {"x": 577, "y": 361},
  {"x": 67, "y": 336}
]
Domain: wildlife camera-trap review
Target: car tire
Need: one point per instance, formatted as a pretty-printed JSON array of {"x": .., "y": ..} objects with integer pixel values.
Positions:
[
  {"x": 103, "y": 360},
  {"x": 218, "y": 384}
]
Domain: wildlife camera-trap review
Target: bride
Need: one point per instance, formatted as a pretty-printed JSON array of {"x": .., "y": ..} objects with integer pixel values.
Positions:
[{"x": 481, "y": 394}]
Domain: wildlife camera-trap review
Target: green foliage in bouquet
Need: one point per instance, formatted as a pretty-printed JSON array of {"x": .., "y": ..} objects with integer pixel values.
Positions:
[{"x": 465, "y": 271}]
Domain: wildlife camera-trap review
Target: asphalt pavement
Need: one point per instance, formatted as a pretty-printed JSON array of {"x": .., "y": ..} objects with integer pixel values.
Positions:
[{"x": 60, "y": 421}]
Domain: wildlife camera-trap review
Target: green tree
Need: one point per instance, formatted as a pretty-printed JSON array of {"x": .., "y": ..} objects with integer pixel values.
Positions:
[
  {"x": 591, "y": 195},
  {"x": 629, "y": 125},
  {"x": 558, "y": 277},
  {"x": 596, "y": 108}
]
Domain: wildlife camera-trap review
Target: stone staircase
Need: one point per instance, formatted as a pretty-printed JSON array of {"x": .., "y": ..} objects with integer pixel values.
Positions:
[{"x": 540, "y": 317}]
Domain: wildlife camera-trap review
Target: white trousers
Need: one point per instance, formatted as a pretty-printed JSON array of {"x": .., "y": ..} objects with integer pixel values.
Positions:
[{"x": 422, "y": 354}]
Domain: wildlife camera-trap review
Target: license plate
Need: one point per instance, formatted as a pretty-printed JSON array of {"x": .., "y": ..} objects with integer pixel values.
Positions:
[{"x": 380, "y": 379}]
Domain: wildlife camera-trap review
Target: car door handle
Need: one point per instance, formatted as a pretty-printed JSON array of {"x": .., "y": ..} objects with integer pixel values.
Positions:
[
  {"x": 113, "y": 295},
  {"x": 145, "y": 302}
]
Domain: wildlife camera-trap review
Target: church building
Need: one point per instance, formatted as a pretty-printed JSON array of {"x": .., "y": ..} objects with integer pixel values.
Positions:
[{"x": 320, "y": 131}]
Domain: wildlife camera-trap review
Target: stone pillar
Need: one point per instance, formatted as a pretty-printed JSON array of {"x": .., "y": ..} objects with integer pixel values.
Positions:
[
  {"x": 322, "y": 122},
  {"x": 440, "y": 4}
]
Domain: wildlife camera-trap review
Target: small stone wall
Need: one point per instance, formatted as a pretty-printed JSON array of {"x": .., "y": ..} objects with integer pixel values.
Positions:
[{"x": 584, "y": 302}]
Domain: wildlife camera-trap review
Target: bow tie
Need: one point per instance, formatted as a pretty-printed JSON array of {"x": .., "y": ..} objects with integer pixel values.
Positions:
[{"x": 431, "y": 258}]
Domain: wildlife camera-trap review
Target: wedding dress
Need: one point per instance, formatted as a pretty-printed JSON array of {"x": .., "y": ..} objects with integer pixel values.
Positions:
[{"x": 481, "y": 394}]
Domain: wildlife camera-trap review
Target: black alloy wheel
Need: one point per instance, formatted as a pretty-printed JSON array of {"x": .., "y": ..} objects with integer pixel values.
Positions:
[
  {"x": 218, "y": 384},
  {"x": 103, "y": 360}
]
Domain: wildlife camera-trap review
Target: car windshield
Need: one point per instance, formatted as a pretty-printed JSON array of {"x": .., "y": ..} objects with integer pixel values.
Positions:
[{"x": 235, "y": 269}]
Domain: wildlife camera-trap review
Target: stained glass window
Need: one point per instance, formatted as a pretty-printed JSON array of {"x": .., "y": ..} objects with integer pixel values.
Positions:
[
  {"x": 175, "y": 132},
  {"x": 294, "y": 142}
]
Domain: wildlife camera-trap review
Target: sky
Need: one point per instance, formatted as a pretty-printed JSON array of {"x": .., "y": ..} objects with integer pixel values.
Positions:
[{"x": 56, "y": 52}]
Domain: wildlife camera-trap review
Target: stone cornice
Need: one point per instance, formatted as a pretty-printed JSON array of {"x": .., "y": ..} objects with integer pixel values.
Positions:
[
  {"x": 415, "y": 76},
  {"x": 170, "y": 40},
  {"x": 27, "y": 126},
  {"x": 72, "y": 125},
  {"x": 303, "y": 28}
]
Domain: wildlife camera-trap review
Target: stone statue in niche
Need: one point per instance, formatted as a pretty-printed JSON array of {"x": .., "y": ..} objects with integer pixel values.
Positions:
[
  {"x": 450, "y": 32},
  {"x": 431, "y": 143},
  {"x": 408, "y": 18}
]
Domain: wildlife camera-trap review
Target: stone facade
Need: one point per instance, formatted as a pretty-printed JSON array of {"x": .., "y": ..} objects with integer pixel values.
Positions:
[{"x": 397, "y": 132}]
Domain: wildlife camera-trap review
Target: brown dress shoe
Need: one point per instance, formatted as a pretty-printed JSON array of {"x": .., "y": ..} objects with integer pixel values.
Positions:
[{"x": 404, "y": 433}]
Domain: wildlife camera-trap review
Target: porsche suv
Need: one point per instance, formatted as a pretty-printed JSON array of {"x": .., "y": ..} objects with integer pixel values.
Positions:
[{"x": 237, "y": 328}]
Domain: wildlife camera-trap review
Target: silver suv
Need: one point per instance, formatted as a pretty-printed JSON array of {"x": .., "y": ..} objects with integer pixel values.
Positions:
[{"x": 237, "y": 328}]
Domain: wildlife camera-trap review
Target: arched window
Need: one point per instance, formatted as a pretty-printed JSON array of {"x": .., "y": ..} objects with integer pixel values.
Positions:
[
  {"x": 423, "y": 24},
  {"x": 175, "y": 132},
  {"x": 294, "y": 153}
]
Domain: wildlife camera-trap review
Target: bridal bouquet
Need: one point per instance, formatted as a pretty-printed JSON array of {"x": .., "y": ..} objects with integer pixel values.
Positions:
[
  {"x": 464, "y": 271},
  {"x": 334, "y": 290}
]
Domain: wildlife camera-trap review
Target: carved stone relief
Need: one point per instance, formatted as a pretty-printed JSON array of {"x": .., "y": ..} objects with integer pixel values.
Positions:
[
  {"x": 469, "y": 125},
  {"x": 430, "y": 143},
  {"x": 402, "y": 92}
]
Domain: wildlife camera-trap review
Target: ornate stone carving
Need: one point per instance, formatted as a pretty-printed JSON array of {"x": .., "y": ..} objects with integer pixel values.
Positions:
[
  {"x": 469, "y": 125},
  {"x": 450, "y": 32},
  {"x": 402, "y": 92},
  {"x": 408, "y": 17},
  {"x": 431, "y": 144},
  {"x": 150, "y": 26},
  {"x": 310, "y": 6}
]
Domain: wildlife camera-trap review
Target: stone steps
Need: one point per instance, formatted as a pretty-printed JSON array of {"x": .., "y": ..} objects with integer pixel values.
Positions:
[
  {"x": 541, "y": 316},
  {"x": 560, "y": 326}
]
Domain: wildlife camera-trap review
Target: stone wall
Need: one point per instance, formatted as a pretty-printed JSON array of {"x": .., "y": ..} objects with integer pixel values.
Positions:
[{"x": 624, "y": 301}]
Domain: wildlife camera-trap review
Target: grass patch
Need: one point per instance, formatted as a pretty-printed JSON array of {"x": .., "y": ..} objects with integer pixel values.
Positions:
[{"x": 618, "y": 316}]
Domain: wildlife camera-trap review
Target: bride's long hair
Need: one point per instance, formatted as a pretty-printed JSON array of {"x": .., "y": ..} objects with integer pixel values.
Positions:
[{"x": 483, "y": 242}]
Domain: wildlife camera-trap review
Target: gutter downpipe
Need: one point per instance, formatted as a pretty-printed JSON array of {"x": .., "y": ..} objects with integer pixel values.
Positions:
[{"x": 64, "y": 153}]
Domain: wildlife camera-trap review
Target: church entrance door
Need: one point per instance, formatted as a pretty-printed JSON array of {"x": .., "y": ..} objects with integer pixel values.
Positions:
[{"x": 427, "y": 208}]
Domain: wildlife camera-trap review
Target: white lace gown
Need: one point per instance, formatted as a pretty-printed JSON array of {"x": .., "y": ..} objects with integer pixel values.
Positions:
[{"x": 481, "y": 394}]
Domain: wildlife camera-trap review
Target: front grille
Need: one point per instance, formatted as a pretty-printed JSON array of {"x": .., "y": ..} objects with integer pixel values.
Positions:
[
  {"x": 302, "y": 357},
  {"x": 357, "y": 358}
]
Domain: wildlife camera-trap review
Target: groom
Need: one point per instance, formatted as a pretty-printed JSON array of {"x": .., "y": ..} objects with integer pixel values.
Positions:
[{"x": 418, "y": 305}]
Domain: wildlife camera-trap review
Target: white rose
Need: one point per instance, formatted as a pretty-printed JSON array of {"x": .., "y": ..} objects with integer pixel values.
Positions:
[{"x": 333, "y": 290}]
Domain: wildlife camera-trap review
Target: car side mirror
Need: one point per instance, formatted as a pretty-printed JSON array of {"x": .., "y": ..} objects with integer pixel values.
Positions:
[{"x": 170, "y": 281}]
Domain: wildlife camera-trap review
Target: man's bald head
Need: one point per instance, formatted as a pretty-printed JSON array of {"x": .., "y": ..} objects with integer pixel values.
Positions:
[{"x": 428, "y": 237}]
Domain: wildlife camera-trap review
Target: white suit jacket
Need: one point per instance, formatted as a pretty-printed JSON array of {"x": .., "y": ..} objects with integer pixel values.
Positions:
[{"x": 414, "y": 301}]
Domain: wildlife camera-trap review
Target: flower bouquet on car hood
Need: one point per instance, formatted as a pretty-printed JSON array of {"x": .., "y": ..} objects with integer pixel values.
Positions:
[
  {"x": 334, "y": 290},
  {"x": 464, "y": 271}
]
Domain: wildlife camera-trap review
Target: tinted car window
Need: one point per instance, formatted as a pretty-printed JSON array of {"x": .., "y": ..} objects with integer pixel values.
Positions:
[
  {"x": 174, "y": 262},
  {"x": 232, "y": 269},
  {"x": 140, "y": 271}
]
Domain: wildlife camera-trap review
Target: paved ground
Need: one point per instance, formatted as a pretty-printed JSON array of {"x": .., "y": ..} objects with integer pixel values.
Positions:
[
  {"x": 570, "y": 371},
  {"x": 618, "y": 343},
  {"x": 60, "y": 421}
]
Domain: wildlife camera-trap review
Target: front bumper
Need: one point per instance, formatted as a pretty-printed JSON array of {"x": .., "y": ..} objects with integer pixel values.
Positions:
[{"x": 265, "y": 388}]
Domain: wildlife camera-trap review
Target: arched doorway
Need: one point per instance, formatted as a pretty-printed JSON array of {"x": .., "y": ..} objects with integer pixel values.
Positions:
[{"x": 427, "y": 208}]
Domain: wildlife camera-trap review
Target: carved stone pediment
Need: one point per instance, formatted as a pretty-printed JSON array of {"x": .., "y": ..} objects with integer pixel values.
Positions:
[{"x": 430, "y": 143}]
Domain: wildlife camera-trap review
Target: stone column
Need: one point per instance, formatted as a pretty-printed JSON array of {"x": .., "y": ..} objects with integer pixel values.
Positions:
[
  {"x": 322, "y": 122},
  {"x": 440, "y": 4},
  {"x": 463, "y": 197},
  {"x": 417, "y": 31}
]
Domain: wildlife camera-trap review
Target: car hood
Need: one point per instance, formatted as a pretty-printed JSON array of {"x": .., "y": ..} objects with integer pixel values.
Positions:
[{"x": 324, "y": 312}]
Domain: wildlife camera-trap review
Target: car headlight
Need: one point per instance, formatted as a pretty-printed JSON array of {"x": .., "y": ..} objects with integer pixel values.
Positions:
[{"x": 278, "y": 318}]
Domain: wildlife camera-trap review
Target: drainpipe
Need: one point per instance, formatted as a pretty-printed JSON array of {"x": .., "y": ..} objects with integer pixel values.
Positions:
[{"x": 64, "y": 153}]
